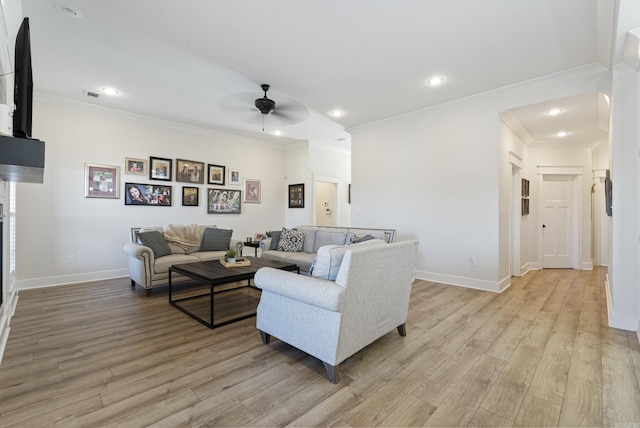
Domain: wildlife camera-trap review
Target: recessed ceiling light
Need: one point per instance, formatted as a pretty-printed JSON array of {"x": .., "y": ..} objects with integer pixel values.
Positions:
[
  {"x": 435, "y": 81},
  {"x": 555, "y": 111},
  {"x": 277, "y": 133},
  {"x": 337, "y": 113},
  {"x": 562, "y": 134},
  {"x": 109, "y": 91},
  {"x": 68, "y": 11}
]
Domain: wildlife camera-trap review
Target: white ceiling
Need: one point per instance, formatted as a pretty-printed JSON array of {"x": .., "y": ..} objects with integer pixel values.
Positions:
[{"x": 179, "y": 60}]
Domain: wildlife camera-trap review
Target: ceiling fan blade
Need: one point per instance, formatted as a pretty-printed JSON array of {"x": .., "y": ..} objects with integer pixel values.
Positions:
[{"x": 241, "y": 107}]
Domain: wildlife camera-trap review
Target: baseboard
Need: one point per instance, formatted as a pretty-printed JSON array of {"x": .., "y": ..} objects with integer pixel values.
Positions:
[
  {"x": 586, "y": 266},
  {"x": 617, "y": 320},
  {"x": 52, "y": 281},
  {"x": 8, "y": 309},
  {"x": 460, "y": 281}
]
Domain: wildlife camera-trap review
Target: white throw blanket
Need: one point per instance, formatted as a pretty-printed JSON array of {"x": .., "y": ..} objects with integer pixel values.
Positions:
[{"x": 184, "y": 235}]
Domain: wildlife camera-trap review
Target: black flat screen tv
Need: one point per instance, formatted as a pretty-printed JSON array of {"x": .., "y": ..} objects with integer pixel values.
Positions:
[{"x": 23, "y": 83}]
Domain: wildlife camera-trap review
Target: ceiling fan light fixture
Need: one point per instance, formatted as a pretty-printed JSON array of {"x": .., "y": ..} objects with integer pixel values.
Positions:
[
  {"x": 264, "y": 104},
  {"x": 336, "y": 113}
]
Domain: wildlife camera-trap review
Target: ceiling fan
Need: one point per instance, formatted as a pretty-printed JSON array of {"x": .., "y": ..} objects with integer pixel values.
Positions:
[{"x": 285, "y": 112}]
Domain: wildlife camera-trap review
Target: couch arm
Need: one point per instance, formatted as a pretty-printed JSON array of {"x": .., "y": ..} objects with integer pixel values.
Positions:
[
  {"x": 314, "y": 291},
  {"x": 265, "y": 244},
  {"x": 236, "y": 244},
  {"x": 138, "y": 251}
]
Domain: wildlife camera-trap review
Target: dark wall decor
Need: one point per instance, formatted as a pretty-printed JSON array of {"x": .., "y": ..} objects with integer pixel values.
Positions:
[
  {"x": 296, "y": 195},
  {"x": 147, "y": 194},
  {"x": 223, "y": 201},
  {"x": 160, "y": 168}
]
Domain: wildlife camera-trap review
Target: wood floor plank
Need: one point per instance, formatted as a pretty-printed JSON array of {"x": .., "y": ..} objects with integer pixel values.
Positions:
[{"x": 538, "y": 354}]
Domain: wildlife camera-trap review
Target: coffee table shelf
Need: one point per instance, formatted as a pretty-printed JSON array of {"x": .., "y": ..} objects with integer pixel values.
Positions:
[{"x": 214, "y": 274}]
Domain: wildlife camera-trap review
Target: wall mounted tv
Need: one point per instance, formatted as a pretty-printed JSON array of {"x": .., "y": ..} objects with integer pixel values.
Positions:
[{"x": 23, "y": 89}]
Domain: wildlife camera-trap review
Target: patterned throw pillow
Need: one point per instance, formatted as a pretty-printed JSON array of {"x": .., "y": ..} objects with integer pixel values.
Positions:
[{"x": 291, "y": 240}]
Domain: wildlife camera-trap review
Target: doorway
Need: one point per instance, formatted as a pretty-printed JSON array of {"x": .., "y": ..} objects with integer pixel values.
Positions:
[
  {"x": 560, "y": 221},
  {"x": 326, "y": 204}
]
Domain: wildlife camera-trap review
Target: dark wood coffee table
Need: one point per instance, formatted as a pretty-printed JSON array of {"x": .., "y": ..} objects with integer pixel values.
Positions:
[{"x": 214, "y": 274}]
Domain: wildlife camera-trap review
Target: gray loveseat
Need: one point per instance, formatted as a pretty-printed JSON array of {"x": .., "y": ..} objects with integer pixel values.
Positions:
[
  {"x": 316, "y": 237},
  {"x": 149, "y": 270}
]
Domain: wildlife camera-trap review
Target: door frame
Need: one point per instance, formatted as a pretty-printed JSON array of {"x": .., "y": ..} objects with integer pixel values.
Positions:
[
  {"x": 515, "y": 242},
  {"x": 575, "y": 203}
]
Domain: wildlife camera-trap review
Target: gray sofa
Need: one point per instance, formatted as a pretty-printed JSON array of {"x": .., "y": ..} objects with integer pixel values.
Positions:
[
  {"x": 332, "y": 319},
  {"x": 148, "y": 270},
  {"x": 318, "y": 236}
]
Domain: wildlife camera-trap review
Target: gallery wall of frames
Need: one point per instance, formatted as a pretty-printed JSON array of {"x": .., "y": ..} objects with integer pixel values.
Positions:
[{"x": 164, "y": 182}]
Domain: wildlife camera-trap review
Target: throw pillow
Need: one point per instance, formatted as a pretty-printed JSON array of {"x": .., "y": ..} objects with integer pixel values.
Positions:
[
  {"x": 329, "y": 258},
  {"x": 154, "y": 240},
  {"x": 216, "y": 239},
  {"x": 275, "y": 239},
  {"x": 291, "y": 241}
]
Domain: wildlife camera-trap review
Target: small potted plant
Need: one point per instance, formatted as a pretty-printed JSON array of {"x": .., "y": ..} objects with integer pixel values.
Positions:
[
  {"x": 268, "y": 233},
  {"x": 230, "y": 257}
]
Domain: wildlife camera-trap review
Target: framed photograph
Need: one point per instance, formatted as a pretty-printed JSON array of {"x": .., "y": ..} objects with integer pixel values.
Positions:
[
  {"x": 223, "y": 201},
  {"x": 252, "y": 191},
  {"x": 258, "y": 237},
  {"x": 234, "y": 177},
  {"x": 160, "y": 169},
  {"x": 190, "y": 196},
  {"x": 216, "y": 174},
  {"x": 135, "y": 166},
  {"x": 147, "y": 194},
  {"x": 296, "y": 195},
  {"x": 525, "y": 206},
  {"x": 189, "y": 171},
  {"x": 525, "y": 188},
  {"x": 101, "y": 181}
]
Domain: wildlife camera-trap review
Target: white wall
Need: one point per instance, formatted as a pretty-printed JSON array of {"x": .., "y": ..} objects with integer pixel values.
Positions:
[
  {"x": 55, "y": 220},
  {"x": 333, "y": 166},
  {"x": 624, "y": 278},
  {"x": 438, "y": 176}
]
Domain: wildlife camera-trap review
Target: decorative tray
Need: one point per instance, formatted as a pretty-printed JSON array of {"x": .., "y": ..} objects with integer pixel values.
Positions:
[{"x": 238, "y": 263}]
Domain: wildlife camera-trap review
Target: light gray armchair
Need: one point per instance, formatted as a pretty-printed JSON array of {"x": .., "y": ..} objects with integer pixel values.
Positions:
[{"x": 332, "y": 320}]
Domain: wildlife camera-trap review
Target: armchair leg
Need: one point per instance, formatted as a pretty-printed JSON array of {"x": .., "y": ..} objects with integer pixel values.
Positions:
[
  {"x": 147, "y": 291},
  {"x": 402, "y": 329},
  {"x": 332, "y": 372},
  {"x": 265, "y": 337}
]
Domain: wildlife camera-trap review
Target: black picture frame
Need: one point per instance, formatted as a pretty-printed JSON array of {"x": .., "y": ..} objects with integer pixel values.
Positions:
[
  {"x": 190, "y": 196},
  {"x": 224, "y": 201},
  {"x": 147, "y": 194},
  {"x": 216, "y": 174},
  {"x": 525, "y": 188},
  {"x": 296, "y": 195},
  {"x": 160, "y": 169}
]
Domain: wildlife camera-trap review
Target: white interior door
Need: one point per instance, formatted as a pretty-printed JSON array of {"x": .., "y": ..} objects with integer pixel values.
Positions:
[
  {"x": 326, "y": 204},
  {"x": 556, "y": 221}
]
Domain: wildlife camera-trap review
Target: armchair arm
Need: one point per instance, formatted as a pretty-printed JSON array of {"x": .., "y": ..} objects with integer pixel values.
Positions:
[
  {"x": 265, "y": 244},
  {"x": 313, "y": 291}
]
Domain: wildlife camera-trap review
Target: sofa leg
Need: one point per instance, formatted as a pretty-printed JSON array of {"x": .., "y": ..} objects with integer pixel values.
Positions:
[
  {"x": 133, "y": 283},
  {"x": 332, "y": 372},
  {"x": 147, "y": 291},
  {"x": 402, "y": 329},
  {"x": 266, "y": 337}
]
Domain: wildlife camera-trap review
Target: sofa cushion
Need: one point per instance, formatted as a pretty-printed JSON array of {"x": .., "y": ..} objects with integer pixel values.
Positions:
[
  {"x": 275, "y": 239},
  {"x": 328, "y": 238},
  {"x": 154, "y": 240},
  {"x": 329, "y": 258},
  {"x": 309, "y": 240},
  {"x": 215, "y": 239},
  {"x": 291, "y": 240}
]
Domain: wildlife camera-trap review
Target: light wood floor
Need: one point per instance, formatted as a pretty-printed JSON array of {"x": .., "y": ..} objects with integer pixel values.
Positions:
[{"x": 539, "y": 354}]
